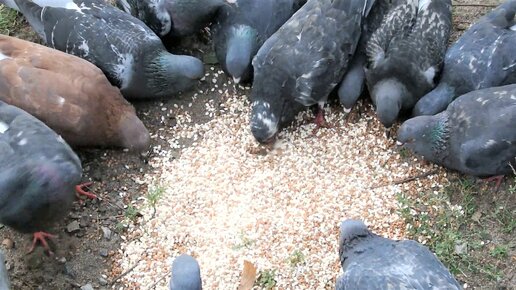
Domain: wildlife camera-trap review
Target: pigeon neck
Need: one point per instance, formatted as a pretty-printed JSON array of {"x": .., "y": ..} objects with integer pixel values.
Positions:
[
  {"x": 353, "y": 245},
  {"x": 439, "y": 134},
  {"x": 241, "y": 46},
  {"x": 166, "y": 69}
]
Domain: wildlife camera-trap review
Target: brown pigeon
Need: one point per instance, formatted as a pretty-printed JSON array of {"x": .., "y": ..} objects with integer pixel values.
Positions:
[{"x": 69, "y": 94}]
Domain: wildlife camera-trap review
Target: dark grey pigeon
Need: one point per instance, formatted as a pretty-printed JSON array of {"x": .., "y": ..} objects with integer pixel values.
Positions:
[
  {"x": 128, "y": 52},
  {"x": 483, "y": 57},
  {"x": 475, "y": 135},
  {"x": 373, "y": 262},
  {"x": 352, "y": 85},
  {"x": 38, "y": 173},
  {"x": 4, "y": 279},
  {"x": 176, "y": 18},
  {"x": 242, "y": 27},
  {"x": 405, "y": 55},
  {"x": 303, "y": 61},
  {"x": 186, "y": 274}
]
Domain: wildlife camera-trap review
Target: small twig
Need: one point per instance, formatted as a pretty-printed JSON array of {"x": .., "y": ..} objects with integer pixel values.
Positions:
[
  {"x": 475, "y": 5},
  {"x": 156, "y": 283},
  {"x": 126, "y": 272},
  {"x": 408, "y": 179}
]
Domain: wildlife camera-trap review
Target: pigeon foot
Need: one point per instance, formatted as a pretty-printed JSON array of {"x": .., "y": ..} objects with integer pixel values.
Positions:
[
  {"x": 497, "y": 178},
  {"x": 320, "y": 121},
  {"x": 80, "y": 190},
  {"x": 41, "y": 237}
]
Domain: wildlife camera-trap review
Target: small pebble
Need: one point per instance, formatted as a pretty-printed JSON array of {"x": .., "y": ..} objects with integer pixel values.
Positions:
[
  {"x": 103, "y": 253},
  {"x": 73, "y": 227},
  {"x": 8, "y": 244},
  {"x": 87, "y": 287},
  {"x": 107, "y": 233},
  {"x": 102, "y": 281}
]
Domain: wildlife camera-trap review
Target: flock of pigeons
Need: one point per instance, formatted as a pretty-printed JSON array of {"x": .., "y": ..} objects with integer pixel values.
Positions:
[{"x": 296, "y": 53}]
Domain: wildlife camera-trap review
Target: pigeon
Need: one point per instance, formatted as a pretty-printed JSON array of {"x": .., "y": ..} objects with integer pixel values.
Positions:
[
  {"x": 370, "y": 261},
  {"x": 241, "y": 28},
  {"x": 483, "y": 57},
  {"x": 352, "y": 85},
  {"x": 130, "y": 54},
  {"x": 475, "y": 135},
  {"x": 69, "y": 94},
  {"x": 186, "y": 274},
  {"x": 405, "y": 54},
  {"x": 172, "y": 18},
  {"x": 38, "y": 174},
  {"x": 303, "y": 61},
  {"x": 4, "y": 279}
]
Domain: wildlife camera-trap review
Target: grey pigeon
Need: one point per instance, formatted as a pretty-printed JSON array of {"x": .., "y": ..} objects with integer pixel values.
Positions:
[
  {"x": 4, "y": 279},
  {"x": 175, "y": 18},
  {"x": 352, "y": 85},
  {"x": 303, "y": 61},
  {"x": 241, "y": 28},
  {"x": 38, "y": 173},
  {"x": 373, "y": 262},
  {"x": 483, "y": 57},
  {"x": 475, "y": 135},
  {"x": 186, "y": 274},
  {"x": 130, "y": 54},
  {"x": 405, "y": 55}
]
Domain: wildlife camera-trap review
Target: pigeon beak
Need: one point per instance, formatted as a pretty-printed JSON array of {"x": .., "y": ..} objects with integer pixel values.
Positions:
[{"x": 236, "y": 80}]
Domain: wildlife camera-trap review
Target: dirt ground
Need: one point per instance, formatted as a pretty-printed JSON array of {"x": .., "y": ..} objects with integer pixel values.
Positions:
[{"x": 89, "y": 238}]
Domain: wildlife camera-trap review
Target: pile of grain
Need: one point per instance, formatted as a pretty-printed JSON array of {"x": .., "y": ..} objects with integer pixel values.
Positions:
[{"x": 228, "y": 199}]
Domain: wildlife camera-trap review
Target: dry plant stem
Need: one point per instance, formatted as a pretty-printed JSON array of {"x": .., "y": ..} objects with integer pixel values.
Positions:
[
  {"x": 408, "y": 179},
  {"x": 126, "y": 272}
]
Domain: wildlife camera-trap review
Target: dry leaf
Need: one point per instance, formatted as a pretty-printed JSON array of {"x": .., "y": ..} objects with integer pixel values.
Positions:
[{"x": 248, "y": 276}]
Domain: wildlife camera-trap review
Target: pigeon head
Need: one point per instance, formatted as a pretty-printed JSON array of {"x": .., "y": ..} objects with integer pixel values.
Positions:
[
  {"x": 387, "y": 96},
  {"x": 265, "y": 120},
  {"x": 434, "y": 102},
  {"x": 425, "y": 135},
  {"x": 351, "y": 232},
  {"x": 186, "y": 274},
  {"x": 134, "y": 135},
  {"x": 242, "y": 45},
  {"x": 169, "y": 74}
]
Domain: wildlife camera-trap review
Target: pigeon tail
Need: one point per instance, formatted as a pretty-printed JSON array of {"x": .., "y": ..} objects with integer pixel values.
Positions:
[
  {"x": 434, "y": 102},
  {"x": 241, "y": 46}
]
